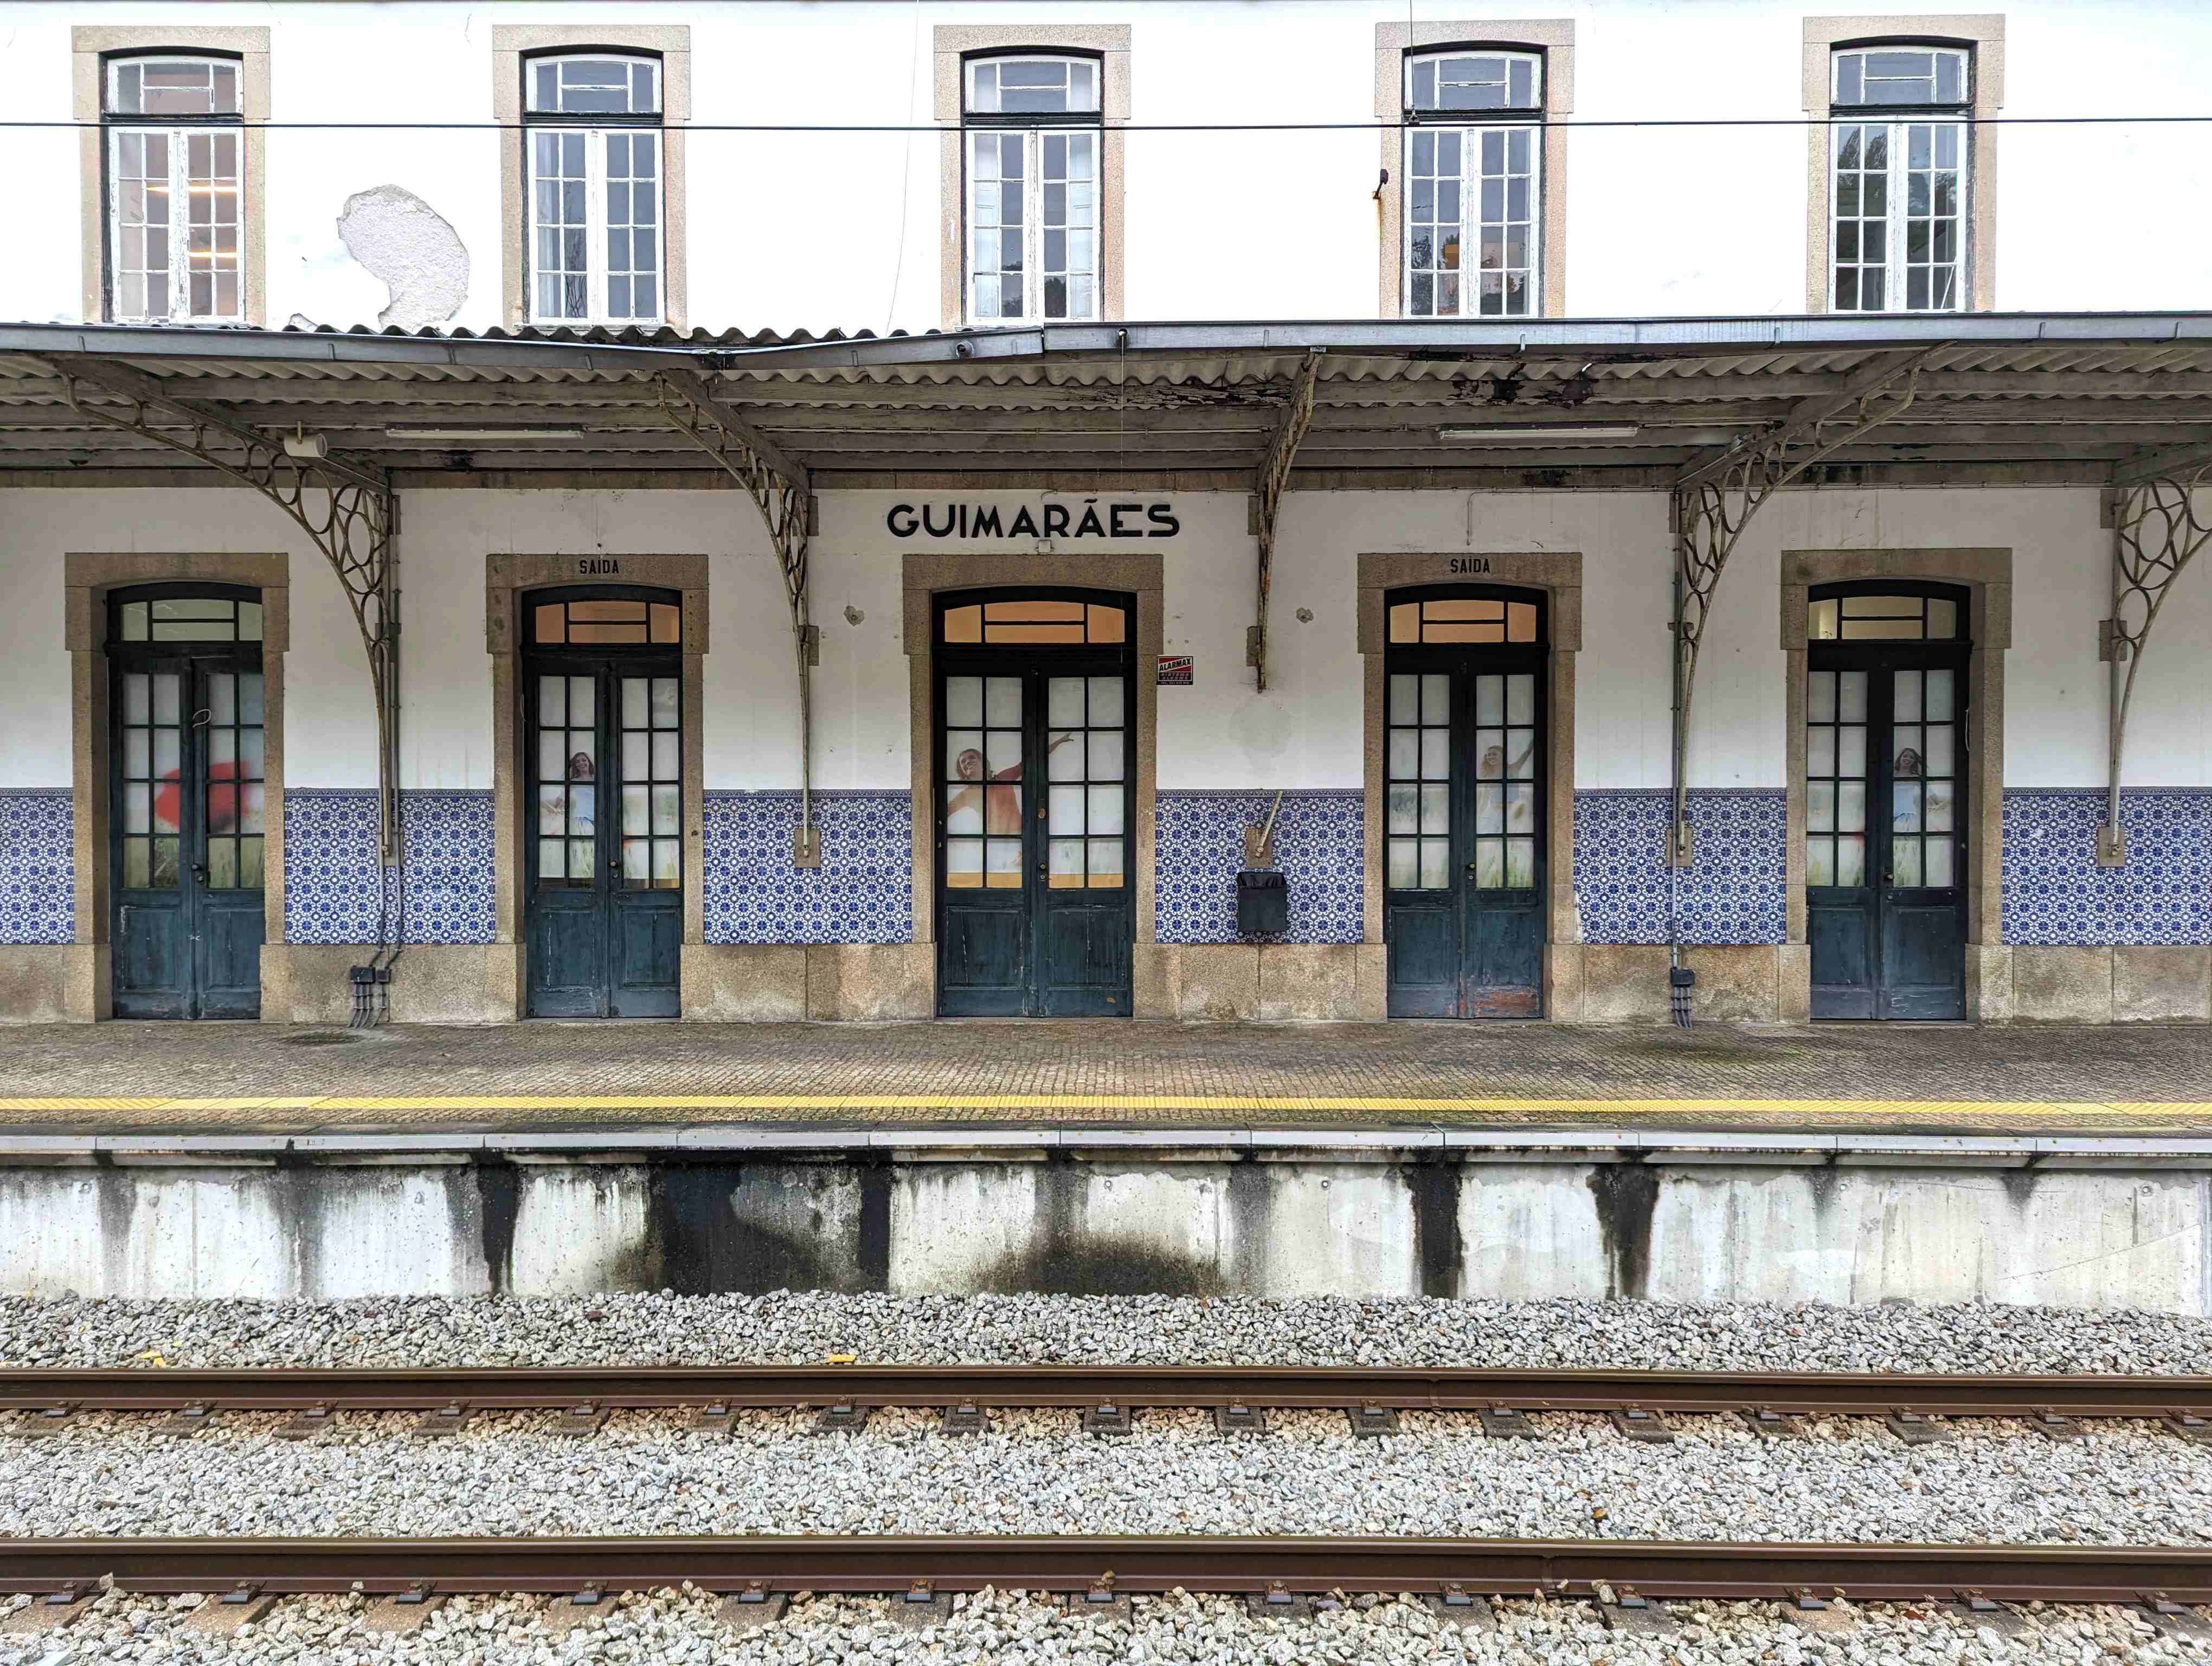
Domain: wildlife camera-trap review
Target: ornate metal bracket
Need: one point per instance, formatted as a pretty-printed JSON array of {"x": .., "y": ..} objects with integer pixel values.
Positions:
[
  {"x": 2151, "y": 507},
  {"x": 783, "y": 492},
  {"x": 1714, "y": 500},
  {"x": 347, "y": 508},
  {"x": 1273, "y": 479}
]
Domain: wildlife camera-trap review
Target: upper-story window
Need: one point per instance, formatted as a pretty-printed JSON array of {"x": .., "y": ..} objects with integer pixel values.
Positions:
[
  {"x": 1900, "y": 123},
  {"x": 176, "y": 153},
  {"x": 1034, "y": 140},
  {"x": 1473, "y": 163},
  {"x": 593, "y": 138}
]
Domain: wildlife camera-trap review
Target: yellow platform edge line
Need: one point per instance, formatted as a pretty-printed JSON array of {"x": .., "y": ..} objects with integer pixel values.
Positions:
[{"x": 1246, "y": 1104}]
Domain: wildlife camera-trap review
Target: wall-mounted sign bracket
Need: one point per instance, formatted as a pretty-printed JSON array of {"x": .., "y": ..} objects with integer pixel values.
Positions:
[{"x": 1271, "y": 479}]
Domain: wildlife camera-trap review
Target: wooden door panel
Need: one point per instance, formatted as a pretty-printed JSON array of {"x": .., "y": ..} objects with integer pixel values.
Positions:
[
  {"x": 568, "y": 956},
  {"x": 648, "y": 938},
  {"x": 232, "y": 927},
  {"x": 1923, "y": 957},
  {"x": 1839, "y": 928},
  {"x": 1507, "y": 958},
  {"x": 1087, "y": 957},
  {"x": 150, "y": 963},
  {"x": 983, "y": 965},
  {"x": 1423, "y": 955}
]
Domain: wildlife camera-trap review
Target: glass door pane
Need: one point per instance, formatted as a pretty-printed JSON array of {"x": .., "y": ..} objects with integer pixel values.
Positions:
[
  {"x": 652, "y": 783},
  {"x": 1417, "y": 792},
  {"x": 1086, "y": 765},
  {"x": 1923, "y": 749},
  {"x": 1836, "y": 778},
  {"x": 983, "y": 782},
  {"x": 235, "y": 799},
  {"x": 567, "y": 780},
  {"x": 152, "y": 779},
  {"x": 1504, "y": 781}
]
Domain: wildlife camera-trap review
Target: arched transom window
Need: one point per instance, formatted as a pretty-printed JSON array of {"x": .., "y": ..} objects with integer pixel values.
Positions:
[
  {"x": 1034, "y": 149},
  {"x": 1473, "y": 183},
  {"x": 593, "y": 145}
]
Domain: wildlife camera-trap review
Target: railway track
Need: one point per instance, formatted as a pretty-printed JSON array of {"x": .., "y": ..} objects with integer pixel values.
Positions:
[
  {"x": 2166, "y": 1580},
  {"x": 1099, "y": 1568},
  {"x": 1371, "y": 1396}
]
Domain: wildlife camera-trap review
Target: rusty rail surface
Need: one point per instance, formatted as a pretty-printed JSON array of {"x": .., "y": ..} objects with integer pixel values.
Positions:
[
  {"x": 1568, "y": 1569},
  {"x": 1285, "y": 1387}
]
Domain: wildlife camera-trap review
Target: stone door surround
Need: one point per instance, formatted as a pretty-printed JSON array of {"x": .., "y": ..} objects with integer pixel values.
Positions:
[
  {"x": 87, "y": 578},
  {"x": 1986, "y": 575},
  {"x": 921, "y": 576},
  {"x": 508, "y": 580},
  {"x": 1558, "y": 574}
]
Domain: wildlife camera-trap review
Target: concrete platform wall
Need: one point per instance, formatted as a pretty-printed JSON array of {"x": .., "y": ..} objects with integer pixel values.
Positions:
[{"x": 1851, "y": 1228}]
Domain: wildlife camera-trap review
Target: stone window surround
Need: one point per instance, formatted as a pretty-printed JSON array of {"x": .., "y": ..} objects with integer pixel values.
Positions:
[
  {"x": 1986, "y": 574},
  {"x": 508, "y": 580},
  {"x": 90, "y": 47},
  {"x": 953, "y": 44},
  {"x": 1553, "y": 36},
  {"x": 87, "y": 578},
  {"x": 1984, "y": 33},
  {"x": 672, "y": 43},
  {"x": 1558, "y": 574},
  {"x": 1141, "y": 577}
]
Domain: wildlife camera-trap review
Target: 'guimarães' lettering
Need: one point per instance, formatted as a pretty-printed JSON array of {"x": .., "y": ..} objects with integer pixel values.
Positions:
[{"x": 969, "y": 522}]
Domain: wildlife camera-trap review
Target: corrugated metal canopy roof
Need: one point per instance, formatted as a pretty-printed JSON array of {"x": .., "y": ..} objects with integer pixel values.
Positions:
[{"x": 1196, "y": 403}]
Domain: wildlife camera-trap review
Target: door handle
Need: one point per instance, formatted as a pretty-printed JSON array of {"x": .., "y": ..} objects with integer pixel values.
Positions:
[
  {"x": 200, "y": 872},
  {"x": 123, "y": 929}
]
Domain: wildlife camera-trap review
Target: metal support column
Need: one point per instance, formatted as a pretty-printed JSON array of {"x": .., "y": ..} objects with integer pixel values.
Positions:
[
  {"x": 783, "y": 492},
  {"x": 347, "y": 509},
  {"x": 2151, "y": 507},
  {"x": 1272, "y": 480},
  {"x": 1712, "y": 501}
]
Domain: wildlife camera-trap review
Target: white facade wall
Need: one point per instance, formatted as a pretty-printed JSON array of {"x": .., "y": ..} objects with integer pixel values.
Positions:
[
  {"x": 1303, "y": 733},
  {"x": 841, "y": 230}
]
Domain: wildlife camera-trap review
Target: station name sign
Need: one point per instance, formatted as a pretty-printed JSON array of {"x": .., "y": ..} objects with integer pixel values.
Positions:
[{"x": 1092, "y": 517}]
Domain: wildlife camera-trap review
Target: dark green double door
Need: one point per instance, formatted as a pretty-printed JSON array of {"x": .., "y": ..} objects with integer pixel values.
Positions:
[
  {"x": 1034, "y": 766},
  {"x": 1885, "y": 822},
  {"x": 185, "y": 814},
  {"x": 604, "y": 863},
  {"x": 1463, "y": 829}
]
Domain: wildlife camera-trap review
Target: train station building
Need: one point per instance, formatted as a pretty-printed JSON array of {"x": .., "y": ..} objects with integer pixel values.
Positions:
[{"x": 1484, "y": 645}]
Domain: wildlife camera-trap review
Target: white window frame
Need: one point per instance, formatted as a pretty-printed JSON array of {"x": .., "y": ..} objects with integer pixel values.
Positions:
[
  {"x": 177, "y": 132},
  {"x": 596, "y": 133},
  {"x": 1034, "y": 129},
  {"x": 1472, "y": 127},
  {"x": 1897, "y": 123}
]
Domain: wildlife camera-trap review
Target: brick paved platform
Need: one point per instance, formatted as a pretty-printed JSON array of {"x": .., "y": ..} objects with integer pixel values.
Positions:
[{"x": 244, "y": 1078}]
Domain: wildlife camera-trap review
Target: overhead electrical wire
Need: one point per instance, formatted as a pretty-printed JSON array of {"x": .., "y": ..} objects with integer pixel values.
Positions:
[{"x": 1457, "y": 119}]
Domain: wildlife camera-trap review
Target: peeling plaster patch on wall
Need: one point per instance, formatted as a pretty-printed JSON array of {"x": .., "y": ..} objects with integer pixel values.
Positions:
[{"x": 407, "y": 244}]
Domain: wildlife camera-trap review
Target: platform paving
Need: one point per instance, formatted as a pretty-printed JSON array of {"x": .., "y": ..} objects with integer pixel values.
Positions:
[{"x": 214, "y": 1078}]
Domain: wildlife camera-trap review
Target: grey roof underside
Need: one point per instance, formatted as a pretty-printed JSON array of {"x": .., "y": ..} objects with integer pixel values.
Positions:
[{"x": 2048, "y": 397}]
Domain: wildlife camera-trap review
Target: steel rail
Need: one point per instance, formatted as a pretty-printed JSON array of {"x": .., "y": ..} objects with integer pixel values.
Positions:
[
  {"x": 1121, "y": 1565},
  {"x": 1284, "y": 1387}
]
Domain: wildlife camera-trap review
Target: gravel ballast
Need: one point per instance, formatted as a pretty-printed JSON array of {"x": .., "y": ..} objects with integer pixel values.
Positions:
[
  {"x": 508, "y": 1476},
  {"x": 1011, "y": 1629},
  {"x": 803, "y": 1328}
]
